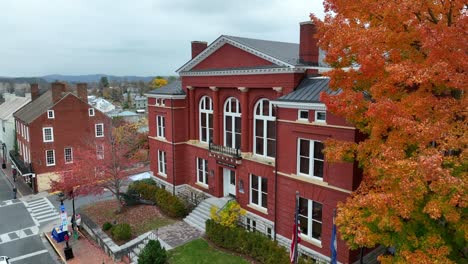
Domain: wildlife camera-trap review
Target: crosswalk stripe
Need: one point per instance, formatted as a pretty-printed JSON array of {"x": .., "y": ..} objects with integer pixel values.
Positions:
[
  {"x": 29, "y": 255},
  {"x": 39, "y": 207},
  {"x": 49, "y": 219},
  {"x": 48, "y": 211},
  {"x": 39, "y": 218},
  {"x": 36, "y": 202}
]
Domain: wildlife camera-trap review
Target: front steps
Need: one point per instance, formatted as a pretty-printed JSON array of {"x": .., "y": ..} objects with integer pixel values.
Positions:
[{"x": 201, "y": 213}]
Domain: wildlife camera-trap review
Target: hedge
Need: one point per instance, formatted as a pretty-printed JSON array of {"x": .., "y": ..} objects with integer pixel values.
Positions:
[
  {"x": 169, "y": 204},
  {"x": 253, "y": 244},
  {"x": 121, "y": 231}
]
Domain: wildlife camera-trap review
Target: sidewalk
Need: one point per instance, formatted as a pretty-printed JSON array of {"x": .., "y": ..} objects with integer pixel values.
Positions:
[
  {"x": 23, "y": 187},
  {"x": 85, "y": 251}
]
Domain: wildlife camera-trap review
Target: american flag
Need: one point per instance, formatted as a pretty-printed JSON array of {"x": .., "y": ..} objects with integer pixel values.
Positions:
[{"x": 296, "y": 239}]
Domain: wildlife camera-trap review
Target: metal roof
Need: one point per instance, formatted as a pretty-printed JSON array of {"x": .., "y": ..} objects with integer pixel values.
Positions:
[
  {"x": 173, "y": 88},
  {"x": 308, "y": 91},
  {"x": 7, "y": 108}
]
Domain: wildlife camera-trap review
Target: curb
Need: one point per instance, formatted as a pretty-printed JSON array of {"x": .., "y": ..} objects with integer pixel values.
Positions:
[
  {"x": 57, "y": 251},
  {"x": 12, "y": 184}
]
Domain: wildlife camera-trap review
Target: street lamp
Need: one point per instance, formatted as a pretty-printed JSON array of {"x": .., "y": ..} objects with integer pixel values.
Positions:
[{"x": 4, "y": 149}]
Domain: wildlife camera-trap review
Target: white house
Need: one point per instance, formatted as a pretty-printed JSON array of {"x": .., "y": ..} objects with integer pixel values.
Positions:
[
  {"x": 7, "y": 122},
  {"x": 101, "y": 104}
]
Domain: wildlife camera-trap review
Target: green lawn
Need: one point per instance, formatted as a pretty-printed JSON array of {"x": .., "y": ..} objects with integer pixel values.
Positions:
[{"x": 199, "y": 252}]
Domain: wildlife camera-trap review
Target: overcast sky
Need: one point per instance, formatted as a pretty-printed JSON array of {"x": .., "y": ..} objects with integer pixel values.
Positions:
[{"x": 132, "y": 37}]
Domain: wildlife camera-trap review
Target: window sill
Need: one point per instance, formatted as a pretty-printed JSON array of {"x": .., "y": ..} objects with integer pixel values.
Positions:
[
  {"x": 312, "y": 241},
  {"x": 319, "y": 123},
  {"x": 258, "y": 208},
  {"x": 50, "y": 165},
  {"x": 205, "y": 186},
  {"x": 305, "y": 121},
  {"x": 309, "y": 177},
  {"x": 262, "y": 159},
  {"x": 162, "y": 174}
]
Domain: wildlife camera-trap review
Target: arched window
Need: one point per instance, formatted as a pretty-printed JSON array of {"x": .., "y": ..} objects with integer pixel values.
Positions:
[
  {"x": 232, "y": 123},
  {"x": 206, "y": 119},
  {"x": 264, "y": 129}
]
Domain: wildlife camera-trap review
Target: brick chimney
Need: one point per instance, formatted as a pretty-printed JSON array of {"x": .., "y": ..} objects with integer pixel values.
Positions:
[
  {"x": 198, "y": 47},
  {"x": 57, "y": 89},
  {"x": 308, "y": 49},
  {"x": 34, "y": 91},
  {"x": 82, "y": 91}
]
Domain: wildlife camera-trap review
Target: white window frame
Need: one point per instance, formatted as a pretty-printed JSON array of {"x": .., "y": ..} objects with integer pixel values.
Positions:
[
  {"x": 163, "y": 103},
  {"x": 161, "y": 126},
  {"x": 91, "y": 112},
  {"x": 234, "y": 115},
  {"x": 27, "y": 133},
  {"x": 22, "y": 129},
  {"x": 207, "y": 112},
  {"x": 311, "y": 158},
  {"x": 100, "y": 151},
  {"x": 203, "y": 172},
  {"x": 260, "y": 191},
  {"x": 44, "y": 139},
  {"x": 310, "y": 220},
  {"x": 250, "y": 224},
  {"x": 47, "y": 157},
  {"x": 96, "y": 129},
  {"x": 265, "y": 119},
  {"x": 162, "y": 163},
  {"x": 50, "y": 114},
  {"x": 68, "y": 158},
  {"x": 320, "y": 120},
  {"x": 299, "y": 115}
]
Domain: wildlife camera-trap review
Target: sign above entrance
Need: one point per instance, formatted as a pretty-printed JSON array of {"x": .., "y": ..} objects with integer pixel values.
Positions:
[{"x": 226, "y": 164}]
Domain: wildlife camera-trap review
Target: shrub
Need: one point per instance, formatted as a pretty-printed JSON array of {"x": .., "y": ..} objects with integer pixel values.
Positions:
[
  {"x": 229, "y": 215},
  {"x": 106, "y": 226},
  {"x": 121, "y": 231},
  {"x": 253, "y": 244},
  {"x": 153, "y": 253}
]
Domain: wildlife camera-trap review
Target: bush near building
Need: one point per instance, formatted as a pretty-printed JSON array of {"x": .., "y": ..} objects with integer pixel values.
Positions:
[
  {"x": 153, "y": 253},
  {"x": 168, "y": 203}
]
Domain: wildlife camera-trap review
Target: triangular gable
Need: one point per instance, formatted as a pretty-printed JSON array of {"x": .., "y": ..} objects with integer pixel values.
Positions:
[{"x": 224, "y": 44}]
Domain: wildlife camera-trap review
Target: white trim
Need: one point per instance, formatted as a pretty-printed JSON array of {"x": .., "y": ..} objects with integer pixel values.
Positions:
[
  {"x": 243, "y": 72},
  {"x": 311, "y": 158},
  {"x": 233, "y": 115},
  {"x": 160, "y": 126},
  {"x": 320, "y": 121},
  {"x": 51, "y": 134},
  {"x": 310, "y": 220},
  {"x": 207, "y": 111},
  {"x": 162, "y": 160},
  {"x": 221, "y": 41},
  {"x": 166, "y": 96},
  {"x": 260, "y": 192},
  {"x": 96, "y": 129},
  {"x": 204, "y": 171},
  {"x": 299, "y": 111},
  {"x": 53, "y": 155},
  {"x": 297, "y": 105},
  {"x": 265, "y": 119},
  {"x": 100, "y": 151},
  {"x": 49, "y": 116},
  {"x": 65, "y": 155},
  {"x": 91, "y": 112}
]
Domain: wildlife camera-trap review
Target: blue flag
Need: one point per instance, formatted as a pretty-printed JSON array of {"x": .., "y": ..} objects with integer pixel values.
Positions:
[{"x": 333, "y": 244}]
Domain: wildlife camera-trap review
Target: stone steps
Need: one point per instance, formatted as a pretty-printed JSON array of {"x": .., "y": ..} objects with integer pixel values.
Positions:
[{"x": 201, "y": 213}]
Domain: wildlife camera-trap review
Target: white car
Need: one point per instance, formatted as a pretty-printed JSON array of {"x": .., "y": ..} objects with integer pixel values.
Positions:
[{"x": 4, "y": 260}]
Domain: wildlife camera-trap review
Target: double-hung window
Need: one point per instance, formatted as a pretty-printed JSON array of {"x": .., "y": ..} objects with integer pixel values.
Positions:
[
  {"x": 50, "y": 157},
  {"x": 48, "y": 134},
  {"x": 161, "y": 126},
  {"x": 99, "y": 130},
  {"x": 264, "y": 129},
  {"x": 202, "y": 171},
  {"x": 232, "y": 123},
  {"x": 100, "y": 151},
  {"x": 68, "y": 154},
  {"x": 50, "y": 114},
  {"x": 162, "y": 163},
  {"x": 206, "y": 119},
  {"x": 310, "y": 158},
  {"x": 258, "y": 191},
  {"x": 310, "y": 217}
]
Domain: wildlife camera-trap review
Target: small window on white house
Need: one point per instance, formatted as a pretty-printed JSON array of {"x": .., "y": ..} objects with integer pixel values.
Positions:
[
  {"x": 303, "y": 115},
  {"x": 48, "y": 134},
  {"x": 68, "y": 155},
  {"x": 91, "y": 112},
  {"x": 162, "y": 164},
  {"x": 100, "y": 151},
  {"x": 50, "y": 114},
  {"x": 99, "y": 130},
  {"x": 50, "y": 157},
  {"x": 320, "y": 116}
]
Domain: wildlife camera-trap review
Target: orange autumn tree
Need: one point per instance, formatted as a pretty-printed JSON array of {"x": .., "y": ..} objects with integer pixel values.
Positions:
[{"x": 402, "y": 70}]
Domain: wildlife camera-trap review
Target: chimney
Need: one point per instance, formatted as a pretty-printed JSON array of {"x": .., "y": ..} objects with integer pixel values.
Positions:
[
  {"x": 308, "y": 48},
  {"x": 198, "y": 47},
  {"x": 34, "y": 91},
  {"x": 82, "y": 91},
  {"x": 57, "y": 89}
]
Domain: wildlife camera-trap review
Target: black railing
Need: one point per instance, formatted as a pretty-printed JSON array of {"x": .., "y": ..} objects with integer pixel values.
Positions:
[
  {"x": 236, "y": 153},
  {"x": 23, "y": 167}
]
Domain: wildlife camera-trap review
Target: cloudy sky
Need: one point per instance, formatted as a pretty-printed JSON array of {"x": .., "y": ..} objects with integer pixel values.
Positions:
[{"x": 132, "y": 37}]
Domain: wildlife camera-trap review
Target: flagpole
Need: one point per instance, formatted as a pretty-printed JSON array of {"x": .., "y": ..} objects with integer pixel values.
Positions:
[
  {"x": 333, "y": 245},
  {"x": 296, "y": 222}
]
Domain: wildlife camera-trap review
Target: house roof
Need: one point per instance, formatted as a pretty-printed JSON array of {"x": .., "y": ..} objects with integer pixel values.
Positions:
[
  {"x": 308, "y": 91},
  {"x": 173, "y": 88},
  {"x": 123, "y": 114},
  {"x": 7, "y": 108}
]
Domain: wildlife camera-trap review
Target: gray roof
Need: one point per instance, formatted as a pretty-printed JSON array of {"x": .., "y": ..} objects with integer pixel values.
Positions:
[
  {"x": 284, "y": 51},
  {"x": 173, "y": 88},
  {"x": 308, "y": 91},
  {"x": 9, "y": 107}
]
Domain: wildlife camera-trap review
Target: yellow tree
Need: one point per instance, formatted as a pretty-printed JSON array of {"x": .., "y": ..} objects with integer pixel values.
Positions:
[
  {"x": 158, "y": 82},
  {"x": 402, "y": 70}
]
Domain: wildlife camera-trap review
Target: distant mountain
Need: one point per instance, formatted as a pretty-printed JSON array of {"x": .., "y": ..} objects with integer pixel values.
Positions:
[
  {"x": 94, "y": 78},
  {"x": 40, "y": 81}
]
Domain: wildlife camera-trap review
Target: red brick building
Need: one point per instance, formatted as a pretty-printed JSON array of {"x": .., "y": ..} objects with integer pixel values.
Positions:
[
  {"x": 245, "y": 120},
  {"x": 51, "y": 128}
]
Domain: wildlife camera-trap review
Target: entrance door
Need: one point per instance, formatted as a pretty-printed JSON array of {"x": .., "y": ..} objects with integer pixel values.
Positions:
[{"x": 229, "y": 177}]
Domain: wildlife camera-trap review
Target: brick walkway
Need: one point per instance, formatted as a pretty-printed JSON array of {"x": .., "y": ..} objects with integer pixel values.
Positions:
[
  {"x": 23, "y": 187},
  {"x": 178, "y": 234}
]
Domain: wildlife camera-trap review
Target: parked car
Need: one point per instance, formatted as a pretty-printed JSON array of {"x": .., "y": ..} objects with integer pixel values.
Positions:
[{"x": 4, "y": 260}]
